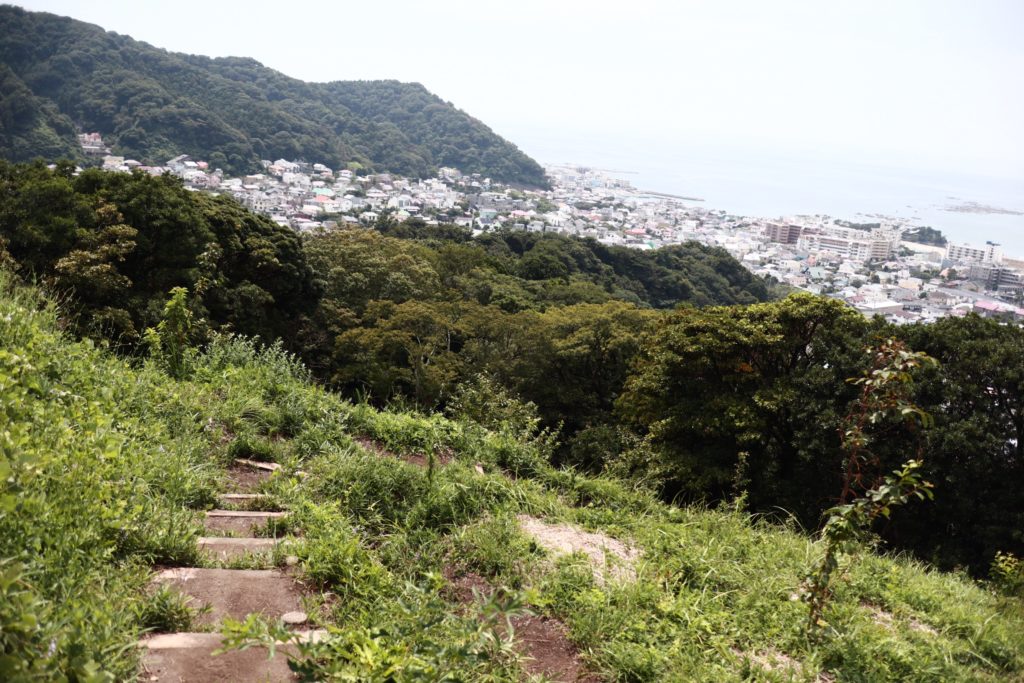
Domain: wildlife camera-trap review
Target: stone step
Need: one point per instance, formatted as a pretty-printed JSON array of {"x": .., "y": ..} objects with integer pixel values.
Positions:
[
  {"x": 234, "y": 593},
  {"x": 258, "y": 464},
  {"x": 241, "y": 500},
  {"x": 223, "y": 548},
  {"x": 177, "y": 657},
  {"x": 239, "y": 521}
]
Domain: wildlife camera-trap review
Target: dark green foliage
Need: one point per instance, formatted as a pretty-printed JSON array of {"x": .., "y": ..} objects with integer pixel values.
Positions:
[
  {"x": 31, "y": 127},
  {"x": 153, "y": 105},
  {"x": 976, "y": 448},
  {"x": 925, "y": 235},
  {"x": 118, "y": 243},
  {"x": 416, "y": 317},
  {"x": 882, "y": 408},
  {"x": 749, "y": 400}
]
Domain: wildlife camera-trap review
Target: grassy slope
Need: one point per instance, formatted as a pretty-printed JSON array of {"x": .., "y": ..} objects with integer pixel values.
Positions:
[{"x": 108, "y": 459}]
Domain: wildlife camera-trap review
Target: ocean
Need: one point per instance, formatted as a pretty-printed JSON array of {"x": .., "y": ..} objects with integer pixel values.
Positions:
[{"x": 773, "y": 185}]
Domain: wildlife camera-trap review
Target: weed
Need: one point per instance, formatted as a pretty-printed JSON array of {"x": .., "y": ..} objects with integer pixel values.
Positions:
[{"x": 165, "y": 610}]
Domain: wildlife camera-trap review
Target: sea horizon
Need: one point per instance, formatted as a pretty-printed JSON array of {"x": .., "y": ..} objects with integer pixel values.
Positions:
[{"x": 770, "y": 184}]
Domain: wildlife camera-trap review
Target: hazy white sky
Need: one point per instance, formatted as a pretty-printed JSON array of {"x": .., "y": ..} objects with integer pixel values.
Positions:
[{"x": 913, "y": 82}]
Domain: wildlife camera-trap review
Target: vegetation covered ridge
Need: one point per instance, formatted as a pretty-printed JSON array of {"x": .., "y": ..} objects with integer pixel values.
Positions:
[
  {"x": 58, "y": 74},
  {"x": 640, "y": 363},
  {"x": 392, "y": 515}
]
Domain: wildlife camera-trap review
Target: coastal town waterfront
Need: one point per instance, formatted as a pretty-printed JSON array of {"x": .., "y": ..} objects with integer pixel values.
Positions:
[{"x": 883, "y": 266}]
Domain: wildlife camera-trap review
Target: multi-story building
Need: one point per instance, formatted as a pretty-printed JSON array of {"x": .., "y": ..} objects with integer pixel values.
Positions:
[
  {"x": 994, "y": 277},
  {"x": 966, "y": 253},
  {"x": 784, "y": 233},
  {"x": 857, "y": 245}
]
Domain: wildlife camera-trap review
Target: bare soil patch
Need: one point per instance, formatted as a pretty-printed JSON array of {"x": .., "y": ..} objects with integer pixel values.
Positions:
[
  {"x": 547, "y": 650},
  {"x": 884, "y": 618},
  {"x": 610, "y": 557},
  {"x": 463, "y": 589},
  {"x": 779, "y": 663},
  {"x": 542, "y": 641},
  {"x": 246, "y": 479}
]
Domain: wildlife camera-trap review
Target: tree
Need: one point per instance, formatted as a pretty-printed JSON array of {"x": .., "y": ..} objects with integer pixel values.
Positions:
[
  {"x": 748, "y": 399},
  {"x": 976, "y": 447}
]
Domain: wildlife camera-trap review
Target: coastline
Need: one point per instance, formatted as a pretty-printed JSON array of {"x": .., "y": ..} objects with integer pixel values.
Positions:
[{"x": 774, "y": 188}]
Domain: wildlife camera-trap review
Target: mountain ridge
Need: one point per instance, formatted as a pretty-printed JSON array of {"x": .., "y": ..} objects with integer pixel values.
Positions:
[{"x": 153, "y": 104}]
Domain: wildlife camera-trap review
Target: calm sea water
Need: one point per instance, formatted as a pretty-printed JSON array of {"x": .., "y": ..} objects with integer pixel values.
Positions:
[{"x": 769, "y": 185}]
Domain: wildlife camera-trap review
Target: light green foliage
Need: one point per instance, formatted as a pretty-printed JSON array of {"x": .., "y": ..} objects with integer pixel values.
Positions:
[
  {"x": 1007, "y": 573},
  {"x": 483, "y": 400},
  {"x": 165, "y": 610},
  {"x": 169, "y": 342},
  {"x": 495, "y": 548},
  {"x": 423, "y": 640},
  {"x": 713, "y": 587},
  {"x": 91, "y": 490}
]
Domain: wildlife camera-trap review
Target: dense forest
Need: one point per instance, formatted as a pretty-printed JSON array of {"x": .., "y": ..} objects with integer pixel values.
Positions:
[
  {"x": 673, "y": 369},
  {"x": 57, "y": 73}
]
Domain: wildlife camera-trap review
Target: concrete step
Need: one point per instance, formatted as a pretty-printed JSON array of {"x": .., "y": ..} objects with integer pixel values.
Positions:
[
  {"x": 235, "y": 593},
  {"x": 239, "y": 521},
  {"x": 177, "y": 657},
  {"x": 241, "y": 501},
  {"x": 258, "y": 464},
  {"x": 223, "y": 548}
]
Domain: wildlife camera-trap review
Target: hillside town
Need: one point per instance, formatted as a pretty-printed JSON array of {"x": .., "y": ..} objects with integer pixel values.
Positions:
[{"x": 875, "y": 266}]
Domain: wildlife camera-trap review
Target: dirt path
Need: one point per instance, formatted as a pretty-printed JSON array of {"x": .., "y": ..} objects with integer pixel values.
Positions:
[
  {"x": 542, "y": 641},
  {"x": 418, "y": 459}
]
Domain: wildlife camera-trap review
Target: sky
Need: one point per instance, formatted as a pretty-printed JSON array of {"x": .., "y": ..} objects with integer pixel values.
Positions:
[{"x": 908, "y": 83}]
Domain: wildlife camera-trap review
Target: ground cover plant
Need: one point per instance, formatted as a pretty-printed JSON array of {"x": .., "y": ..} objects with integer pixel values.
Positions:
[{"x": 418, "y": 572}]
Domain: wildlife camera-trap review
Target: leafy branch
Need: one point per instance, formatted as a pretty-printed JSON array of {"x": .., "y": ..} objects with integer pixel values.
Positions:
[{"x": 883, "y": 402}]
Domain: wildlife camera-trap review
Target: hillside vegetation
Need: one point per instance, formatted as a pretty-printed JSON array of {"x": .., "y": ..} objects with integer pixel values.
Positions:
[
  {"x": 152, "y": 105},
  {"x": 667, "y": 368},
  {"x": 391, "y": 514}
]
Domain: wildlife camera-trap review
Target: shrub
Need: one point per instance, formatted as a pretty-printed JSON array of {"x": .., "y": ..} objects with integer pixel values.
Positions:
[{"x": 1007, "y": 573}]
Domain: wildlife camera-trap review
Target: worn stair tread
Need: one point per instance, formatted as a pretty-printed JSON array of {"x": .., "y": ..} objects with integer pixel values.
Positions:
[
  {"x": 239, "y": 521},
  {"x": 234, "y": 593},
  {"x": 186, "y": 639},
  {"x": 259, "y": 465},
  {"x": 254, "y": 514},
  {"x": 177, "y": 657},
  {"x": 226, "y": 548},
  {"x": 241, "y": 499}
]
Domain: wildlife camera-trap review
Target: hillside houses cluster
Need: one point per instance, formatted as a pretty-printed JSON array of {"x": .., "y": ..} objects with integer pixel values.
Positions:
[{"x": 869, "y": 266}]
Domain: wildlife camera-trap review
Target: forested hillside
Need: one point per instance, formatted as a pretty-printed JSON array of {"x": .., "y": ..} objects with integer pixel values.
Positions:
[
  {"x": 153, "y": 105},
  {"x": 671, "y": 368},
  {"x": 416, "y": 540}
]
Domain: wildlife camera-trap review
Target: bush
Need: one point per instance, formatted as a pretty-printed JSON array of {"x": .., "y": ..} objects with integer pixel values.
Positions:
[{"x": 1007, "y": 574}]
